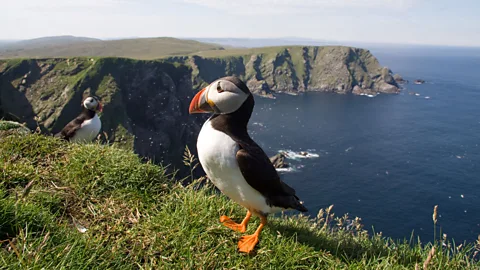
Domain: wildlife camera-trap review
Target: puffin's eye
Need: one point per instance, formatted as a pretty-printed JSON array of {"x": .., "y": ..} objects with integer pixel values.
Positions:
[{"x": 219, "y": 88}]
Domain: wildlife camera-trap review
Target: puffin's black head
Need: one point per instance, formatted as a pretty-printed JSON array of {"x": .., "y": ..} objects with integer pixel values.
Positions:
[
  {"x": 223, "y": 96},
  {"x": 93, "y": 104}
]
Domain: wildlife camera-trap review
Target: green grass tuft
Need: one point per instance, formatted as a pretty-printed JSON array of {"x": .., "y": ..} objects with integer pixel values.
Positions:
[
  {"x": 92, "y": 206},
  {"x": 8, "y": 125}
]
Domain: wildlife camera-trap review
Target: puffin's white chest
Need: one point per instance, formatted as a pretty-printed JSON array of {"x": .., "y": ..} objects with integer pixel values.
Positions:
[
  {"x": 88, "y": 131},
  {"x": 217, "y": 154}
]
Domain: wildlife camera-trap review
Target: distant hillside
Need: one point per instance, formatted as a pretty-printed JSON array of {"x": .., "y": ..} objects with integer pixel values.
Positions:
[
  {"x": 290, "y": 41},
  {"x": 68, "y": 46},
  {"x": 265, "y": 42},
  {"x": 4, "y": 43},
  {"x": 50, "y": 41}
]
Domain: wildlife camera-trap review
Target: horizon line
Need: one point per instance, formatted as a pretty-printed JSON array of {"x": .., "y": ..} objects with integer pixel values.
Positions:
[{"x": 339, "y": 42}]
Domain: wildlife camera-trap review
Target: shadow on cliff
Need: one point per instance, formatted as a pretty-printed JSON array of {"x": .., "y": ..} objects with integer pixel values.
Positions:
[
  {"x": 212, "y": 69},
  {"x": 14, "y": 104},
  {"x": 71, "y": 109}
]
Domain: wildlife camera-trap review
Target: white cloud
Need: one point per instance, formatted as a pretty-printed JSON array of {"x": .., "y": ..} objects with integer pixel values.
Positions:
[
  {"x": 55, "y": 5},
  {"x": 289, "y": 6}
]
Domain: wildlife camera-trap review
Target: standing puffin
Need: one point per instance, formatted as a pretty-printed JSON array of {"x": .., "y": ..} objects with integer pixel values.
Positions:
[
  {"x": 235, "y": 164},
  {"x": 86, "y": 126}
]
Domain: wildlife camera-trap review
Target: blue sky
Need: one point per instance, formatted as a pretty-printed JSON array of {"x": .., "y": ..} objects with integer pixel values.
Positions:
[{"x": 438, "y": 22}]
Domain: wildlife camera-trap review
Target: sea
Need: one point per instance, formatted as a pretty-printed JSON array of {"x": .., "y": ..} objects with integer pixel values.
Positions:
[{"x": 388, "y": 159}]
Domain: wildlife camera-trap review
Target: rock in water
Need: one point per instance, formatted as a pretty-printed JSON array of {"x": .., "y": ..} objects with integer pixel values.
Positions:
[
  {"x": 278, "y": 161},
  {"x": 357, "y": 90},
  {"x": 419, "y": 81},
  {"x": 399, "y": 79},
  {"x": 387, "y": 76}
]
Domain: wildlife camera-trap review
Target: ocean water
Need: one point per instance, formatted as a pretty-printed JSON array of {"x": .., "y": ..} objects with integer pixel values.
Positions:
[{"x": 388, "y": 159}]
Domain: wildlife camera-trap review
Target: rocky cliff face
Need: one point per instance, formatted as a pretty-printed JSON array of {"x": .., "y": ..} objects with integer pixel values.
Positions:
[
  {"x": 146, "y": 102},
  {"x": 297, "y": 69}
]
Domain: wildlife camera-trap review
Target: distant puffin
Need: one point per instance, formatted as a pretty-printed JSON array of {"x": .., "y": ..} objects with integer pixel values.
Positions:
[
  {"x": 86, "y": 126},
  {"x": 234, "y": 162}
]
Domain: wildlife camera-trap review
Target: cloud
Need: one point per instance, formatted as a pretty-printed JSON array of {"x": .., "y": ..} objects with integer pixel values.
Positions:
[
  {"x": 56, "y": 5},
  {"x": 289, "y": 6}
]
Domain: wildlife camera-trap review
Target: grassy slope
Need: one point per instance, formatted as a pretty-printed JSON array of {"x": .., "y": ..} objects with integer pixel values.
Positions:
[
  {"x": 138, "y": 218},
  {"x": 50, "y": 41},
  {"x": 139, "y": 48}
]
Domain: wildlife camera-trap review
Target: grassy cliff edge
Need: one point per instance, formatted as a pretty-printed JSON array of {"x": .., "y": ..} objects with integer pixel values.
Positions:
[{"x": 96, "y": 206}]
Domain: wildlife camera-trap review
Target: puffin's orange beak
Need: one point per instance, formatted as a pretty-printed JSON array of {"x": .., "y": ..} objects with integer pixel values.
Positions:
[
  {"x": 200, "y": 104},
  {"x": 100, "y": 107}
]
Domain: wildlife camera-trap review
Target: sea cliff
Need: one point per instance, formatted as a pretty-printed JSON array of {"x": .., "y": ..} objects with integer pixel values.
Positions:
[{"x": 146, "y": 101}]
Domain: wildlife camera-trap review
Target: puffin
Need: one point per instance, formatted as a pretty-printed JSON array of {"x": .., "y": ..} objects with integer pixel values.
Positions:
[
  {"x": 86, "y": 126},
  {"x": 233, "y": 162}
]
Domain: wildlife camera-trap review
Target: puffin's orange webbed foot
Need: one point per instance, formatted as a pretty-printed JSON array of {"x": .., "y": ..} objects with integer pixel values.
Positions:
[
  {"x": 228, "y": 222},
  {"x": 247, "y": 243},
  {"x": 242, "y": 227}
]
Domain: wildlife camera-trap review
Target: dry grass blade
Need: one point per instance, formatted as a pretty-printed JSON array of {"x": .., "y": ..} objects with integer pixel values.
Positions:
[
  {"x": 435, "y": 214},
  {"x": 434, "y": 218},
  {"x": 44, "y": 242},
  {"x": 12, "y": 245},
  {"x": 134, "y": 217},
  {"x": 190, "y": 161},
  {"x": 429, "y": 258},
  {"x": 57, "y": 187},
  {"x": 187, "y": 156},
  {"x": 27, "y": 189}
]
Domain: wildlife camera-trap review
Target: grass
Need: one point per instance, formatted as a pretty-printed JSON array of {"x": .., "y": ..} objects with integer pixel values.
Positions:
[
  {"x": 139, "y": 48},
  {"x": 92, "y": 206},
  {"x": 6, "y": 125},
  {"x": 270, "y": 51},
  {"x": 11, "y": 127}
]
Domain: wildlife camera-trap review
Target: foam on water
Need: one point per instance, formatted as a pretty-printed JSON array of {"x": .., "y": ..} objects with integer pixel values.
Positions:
[
  {"x": 258, "y": 124},
  {"x": 290, "y": 169},
  {"x": 298, "y": 155}
]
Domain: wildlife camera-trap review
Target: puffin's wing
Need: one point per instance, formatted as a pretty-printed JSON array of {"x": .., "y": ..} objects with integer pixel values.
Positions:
[
  {"x": 258, "y": 171},
  {"x": 71, "y": 128}
]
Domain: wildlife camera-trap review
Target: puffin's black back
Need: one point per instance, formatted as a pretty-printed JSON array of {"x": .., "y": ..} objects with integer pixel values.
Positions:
[{"x": 71, "y": 128}]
